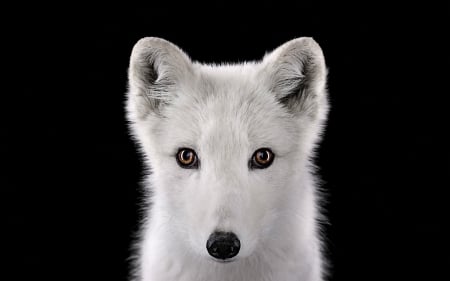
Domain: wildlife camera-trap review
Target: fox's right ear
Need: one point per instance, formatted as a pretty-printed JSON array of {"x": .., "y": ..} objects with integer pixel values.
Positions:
[
  {"x": 296, "y": 74},
  {"x": 156, "y": 67}
]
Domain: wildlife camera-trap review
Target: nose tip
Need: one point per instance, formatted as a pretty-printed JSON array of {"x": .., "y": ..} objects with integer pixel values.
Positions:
[{"x": 223, "y": 245}]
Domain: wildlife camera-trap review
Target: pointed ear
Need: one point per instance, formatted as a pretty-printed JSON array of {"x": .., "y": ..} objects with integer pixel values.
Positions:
[
  {"x": 156, "y": 68},
  {"x": 297, "y": 76}
]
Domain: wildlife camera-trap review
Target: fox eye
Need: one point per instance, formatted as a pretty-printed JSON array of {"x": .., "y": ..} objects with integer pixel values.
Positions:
[
  {"x": 187, "y": 158},
  {"x": 262, "y": 158}
]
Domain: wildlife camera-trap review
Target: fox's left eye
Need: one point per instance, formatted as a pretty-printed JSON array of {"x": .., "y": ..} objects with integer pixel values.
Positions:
[
  {"x": 187, "y": 158},
  {"x": 262, "y": 158}
]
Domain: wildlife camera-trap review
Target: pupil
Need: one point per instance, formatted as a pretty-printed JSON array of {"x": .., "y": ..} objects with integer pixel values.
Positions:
[
  {"x": 186, "y": 155},
  {"x": 263, "y": 155}
]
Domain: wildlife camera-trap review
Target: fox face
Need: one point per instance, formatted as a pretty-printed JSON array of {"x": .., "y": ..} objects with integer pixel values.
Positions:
[{"x": 228, "y": 146}]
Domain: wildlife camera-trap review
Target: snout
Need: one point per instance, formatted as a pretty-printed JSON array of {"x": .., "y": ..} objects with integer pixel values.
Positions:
[{"x": 223, "y": 245}]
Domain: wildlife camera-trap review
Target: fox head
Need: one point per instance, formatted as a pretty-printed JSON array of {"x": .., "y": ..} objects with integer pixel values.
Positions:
[{"x": 228, "y": 146}]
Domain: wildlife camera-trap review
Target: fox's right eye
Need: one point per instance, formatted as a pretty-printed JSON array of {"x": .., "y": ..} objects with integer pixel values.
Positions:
[
  {"x": 187, "y": 158},
  {"x": 262, "y": 158}
]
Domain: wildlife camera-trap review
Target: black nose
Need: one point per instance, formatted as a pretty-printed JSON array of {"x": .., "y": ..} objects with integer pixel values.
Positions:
[{"x": 223, "y": 245}]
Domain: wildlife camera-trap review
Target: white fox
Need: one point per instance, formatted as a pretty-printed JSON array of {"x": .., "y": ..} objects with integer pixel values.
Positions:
[{"x": 229, "y": 148}]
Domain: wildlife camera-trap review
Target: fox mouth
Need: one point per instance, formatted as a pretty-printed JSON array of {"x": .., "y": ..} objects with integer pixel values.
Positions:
[{"x": 223, "y": 261}]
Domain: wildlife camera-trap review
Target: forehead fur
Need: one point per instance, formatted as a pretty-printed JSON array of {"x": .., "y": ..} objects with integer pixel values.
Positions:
[{"x": 223, "y": 109}]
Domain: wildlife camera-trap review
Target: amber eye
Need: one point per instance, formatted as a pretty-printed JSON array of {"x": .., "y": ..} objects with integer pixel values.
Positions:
[
  {"x": 262, "y": 158},
  {"x": 187, "y": 158}
]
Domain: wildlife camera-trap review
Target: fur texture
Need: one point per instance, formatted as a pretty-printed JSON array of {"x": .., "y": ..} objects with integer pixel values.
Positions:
[{"x": 225, "y": 113}]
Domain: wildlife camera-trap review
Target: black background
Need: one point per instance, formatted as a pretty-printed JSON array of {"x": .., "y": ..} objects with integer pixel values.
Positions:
[{"x": 70, "y": 187}]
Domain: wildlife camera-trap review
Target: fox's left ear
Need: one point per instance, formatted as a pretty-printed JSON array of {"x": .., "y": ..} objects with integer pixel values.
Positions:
[
  {"x": 296, "y": 74},
  {"x": 157, "y": 68}
]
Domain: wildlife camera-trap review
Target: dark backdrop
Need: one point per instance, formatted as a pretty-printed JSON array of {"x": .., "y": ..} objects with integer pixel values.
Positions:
[{"x": 70, "y": 187}]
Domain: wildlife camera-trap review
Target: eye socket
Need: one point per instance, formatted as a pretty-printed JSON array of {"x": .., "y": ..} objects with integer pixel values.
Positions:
[
  {"x": 187, "y": 158},
  {"x": 262, "y": 158}
]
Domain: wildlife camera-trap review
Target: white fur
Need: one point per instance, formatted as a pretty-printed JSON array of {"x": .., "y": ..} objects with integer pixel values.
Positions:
[{"x": 225, "y": 113}]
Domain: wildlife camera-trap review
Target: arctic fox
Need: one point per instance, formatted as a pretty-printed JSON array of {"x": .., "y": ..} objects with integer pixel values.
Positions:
[{"x": 231, "y": 188}]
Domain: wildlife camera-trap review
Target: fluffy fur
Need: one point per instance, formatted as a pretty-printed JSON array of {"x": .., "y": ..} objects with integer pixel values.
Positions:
[{"x": 225, "y": 113}]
